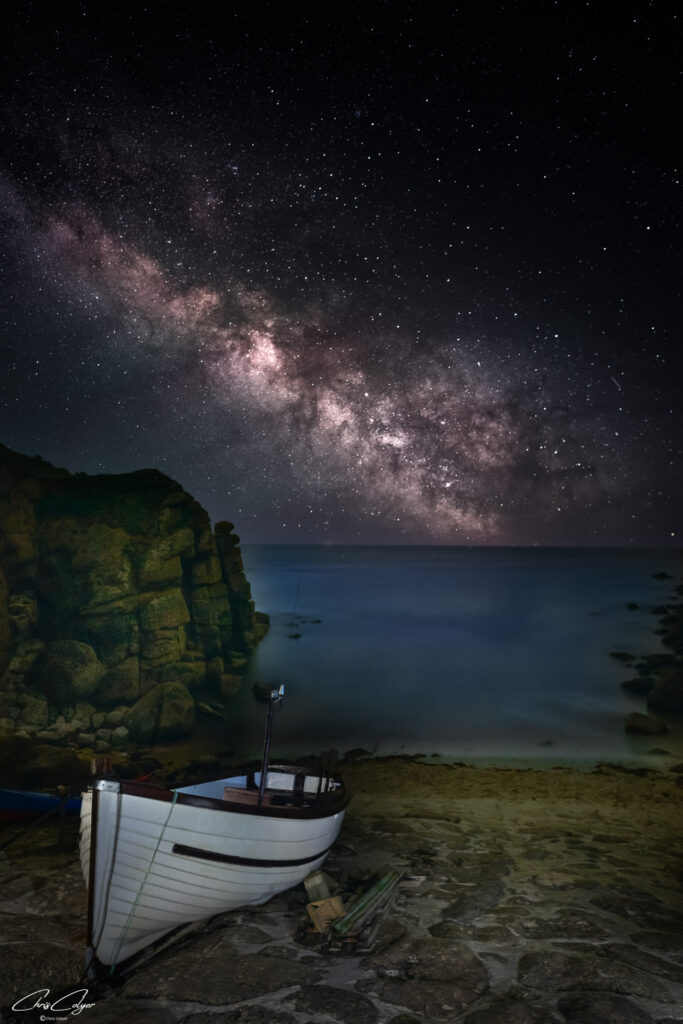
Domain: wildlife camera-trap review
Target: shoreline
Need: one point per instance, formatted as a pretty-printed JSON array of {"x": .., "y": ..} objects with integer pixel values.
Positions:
[
  {"x": 658, "y": 761},
  {"x": 385, "y": 782},
  {"x": 183, "y": 762}
]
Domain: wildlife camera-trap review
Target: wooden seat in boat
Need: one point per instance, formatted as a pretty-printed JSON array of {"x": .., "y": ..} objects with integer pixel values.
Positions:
[{"x": 244, "y": 796}]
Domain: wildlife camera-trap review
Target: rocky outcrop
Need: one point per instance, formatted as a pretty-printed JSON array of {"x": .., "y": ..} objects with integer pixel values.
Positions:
[
  {"x": 667, "y": 690},
  {"x": 660, "y": 675},
  {"x": 113, "y": 589},
  {"x": 165, "y": 713},
  {"x": 645, "y": 725}
]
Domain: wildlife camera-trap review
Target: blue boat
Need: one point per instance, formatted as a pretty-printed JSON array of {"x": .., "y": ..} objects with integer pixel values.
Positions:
[{"x": 19, "y": 805}]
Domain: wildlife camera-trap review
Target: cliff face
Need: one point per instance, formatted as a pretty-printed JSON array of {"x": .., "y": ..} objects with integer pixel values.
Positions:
[{"x": 115, "y": 593}]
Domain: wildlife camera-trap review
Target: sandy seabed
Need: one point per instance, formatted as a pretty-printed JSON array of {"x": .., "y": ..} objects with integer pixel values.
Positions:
[{"x": 608, "y": 797}]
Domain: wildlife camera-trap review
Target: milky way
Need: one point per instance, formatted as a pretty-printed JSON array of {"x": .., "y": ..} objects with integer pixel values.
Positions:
[{"x": 315, "y": 334}]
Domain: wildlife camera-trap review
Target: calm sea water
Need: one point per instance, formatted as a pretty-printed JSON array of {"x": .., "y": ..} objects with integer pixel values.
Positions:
[{"x": 496, "y": 653}]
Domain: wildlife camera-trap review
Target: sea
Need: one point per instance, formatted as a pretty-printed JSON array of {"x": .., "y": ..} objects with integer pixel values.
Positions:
[{"x": 500, "y": 655}]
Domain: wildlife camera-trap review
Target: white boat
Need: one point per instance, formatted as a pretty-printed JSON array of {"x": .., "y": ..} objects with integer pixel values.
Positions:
[{"x": 156, "y": 859}]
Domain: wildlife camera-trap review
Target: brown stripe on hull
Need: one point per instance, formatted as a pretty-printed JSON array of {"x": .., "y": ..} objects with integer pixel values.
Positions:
[{"x": 252, "y": 862}]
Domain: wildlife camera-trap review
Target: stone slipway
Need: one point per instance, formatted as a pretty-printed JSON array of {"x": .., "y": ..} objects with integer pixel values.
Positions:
[{"x": 548, "y": 896}]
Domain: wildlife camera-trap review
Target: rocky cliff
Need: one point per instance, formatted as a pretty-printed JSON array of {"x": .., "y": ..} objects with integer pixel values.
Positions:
[{"x": 117, "y": 602}]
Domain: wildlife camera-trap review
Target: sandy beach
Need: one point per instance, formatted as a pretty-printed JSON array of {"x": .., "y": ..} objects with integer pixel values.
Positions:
[{"x": 529, "y": 896}]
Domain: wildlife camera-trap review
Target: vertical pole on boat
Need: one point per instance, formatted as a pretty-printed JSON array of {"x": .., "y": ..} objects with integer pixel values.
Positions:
[{"x": 274, "y": 699}]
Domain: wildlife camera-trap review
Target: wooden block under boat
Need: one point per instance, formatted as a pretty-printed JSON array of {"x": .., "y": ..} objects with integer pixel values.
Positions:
[{"x": 322, "y": 912}]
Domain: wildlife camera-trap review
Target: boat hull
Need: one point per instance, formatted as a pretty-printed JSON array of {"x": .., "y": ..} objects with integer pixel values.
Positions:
[
  {"x": 154, "y": 862},
  {"x": 19, "y": 805}
]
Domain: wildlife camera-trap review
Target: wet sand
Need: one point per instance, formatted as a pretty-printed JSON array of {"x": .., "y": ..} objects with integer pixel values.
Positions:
[{"x": 532, "y": 896}]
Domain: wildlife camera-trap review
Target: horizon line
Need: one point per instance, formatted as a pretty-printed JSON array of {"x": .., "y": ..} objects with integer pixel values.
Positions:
[{"x": 478, "y": 547}]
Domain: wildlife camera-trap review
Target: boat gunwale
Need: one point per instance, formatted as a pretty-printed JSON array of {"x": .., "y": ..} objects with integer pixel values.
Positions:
[{"x": 327, "y": 804}]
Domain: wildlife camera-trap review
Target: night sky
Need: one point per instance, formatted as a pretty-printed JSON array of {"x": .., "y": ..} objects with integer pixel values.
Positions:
[{"x": 351, "y": 272}]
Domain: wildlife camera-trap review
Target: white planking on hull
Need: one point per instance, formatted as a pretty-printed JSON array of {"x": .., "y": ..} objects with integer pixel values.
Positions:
[{"x": 161, "y": 862}]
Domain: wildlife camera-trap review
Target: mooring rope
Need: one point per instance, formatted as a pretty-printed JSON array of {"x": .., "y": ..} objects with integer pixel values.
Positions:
[{"x": 142, "y": 885}]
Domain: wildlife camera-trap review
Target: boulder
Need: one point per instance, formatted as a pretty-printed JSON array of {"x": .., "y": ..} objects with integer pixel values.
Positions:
[
  {"x": 24, "y": 655},
  {"x": 119, "y": 736},
  {"x": 230, "y": 684},
  {"x": 165, "y": 713},
  {"x": 190, "y": 674},
  {"x": 639, "y": 685},
  {"x": 23, "y": 614},
  {"x": 7, "y": 728},
  {"x": 259, "y": 631},
  {"x": 644, "y": 725},
  {"x": 58, "y": 732},
  {"x": 238, "y": 662},
  {"x": 85, "y": 711},
  {"x": 206, "y": 571},
  {"x": 120, "y": 684},
  {"x": 115, "y": 634},
  {"x": 201, "y": 606},
  {"x": 210, "y": 639},
  {"x": 67, "y": 670},
  {"x": 214, "y": 671},
  {"x": 655, "y": 662},
  {"x": 225, "y": 538},
  {"x": 162, "y": 646},
  {"x": 164, "y": 610},
  {"x": 161, "y": 564},
  {"x": 117, "y": 717},
  {"x": 158, "y": 571},
  {"x": 667, "y": 691},
  {"x": 33, "y": 712}
]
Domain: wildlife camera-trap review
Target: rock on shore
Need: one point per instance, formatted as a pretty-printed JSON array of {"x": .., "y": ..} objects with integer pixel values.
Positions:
[
  {"x": 115, "y": 593},
  {"x": 660, "y": 675}
]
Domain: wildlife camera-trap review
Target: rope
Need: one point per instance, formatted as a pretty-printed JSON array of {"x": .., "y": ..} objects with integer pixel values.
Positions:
[{"x": 142, "y": 884}]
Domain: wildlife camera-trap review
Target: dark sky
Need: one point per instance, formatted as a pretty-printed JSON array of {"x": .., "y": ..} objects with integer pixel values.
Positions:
[{"x": 352, "y": 272}]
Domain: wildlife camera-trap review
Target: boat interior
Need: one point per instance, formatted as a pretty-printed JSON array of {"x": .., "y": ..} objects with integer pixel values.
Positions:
[{"x": 286, "y": 786}]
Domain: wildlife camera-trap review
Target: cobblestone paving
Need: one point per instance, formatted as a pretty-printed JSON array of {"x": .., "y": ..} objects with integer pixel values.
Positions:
[{"x": 519, "y": 911}]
